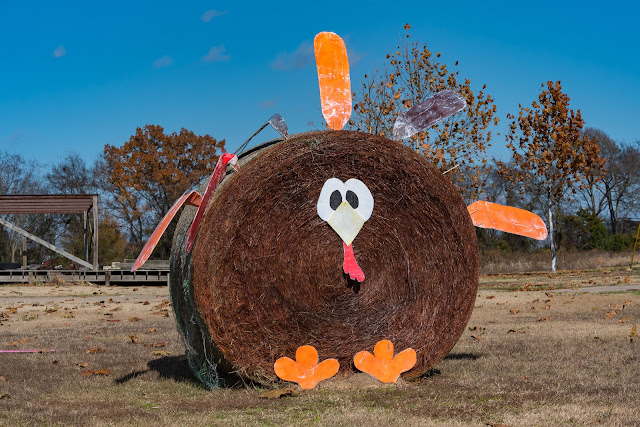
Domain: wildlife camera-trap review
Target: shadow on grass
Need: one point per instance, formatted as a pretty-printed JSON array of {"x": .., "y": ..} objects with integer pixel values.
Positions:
[
  {"x": 175, "y": 368},
  {"x": 462, "y": 356},
  {"x": 129, "y": 377}
]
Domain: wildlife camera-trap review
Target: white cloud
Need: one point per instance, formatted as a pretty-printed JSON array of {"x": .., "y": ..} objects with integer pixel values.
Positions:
[
  {"x": 16, "y": 137},
  {"x": 59, "y": 52},
  {"x": 269, "y": 103},
  {"x": 216, "y": 54},
  {"x": 299, "y": 58},
  {"x": 165, "y": 61},
  {"x": 354, "y": 57},
  {"x": 212, "y": 13}
]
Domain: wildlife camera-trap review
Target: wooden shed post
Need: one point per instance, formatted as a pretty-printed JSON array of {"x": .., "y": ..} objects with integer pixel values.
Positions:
[
  {"x": 85, "y": 225},
  {"x": 24, "y": 251},
  {"x": 95, "y": 233}
]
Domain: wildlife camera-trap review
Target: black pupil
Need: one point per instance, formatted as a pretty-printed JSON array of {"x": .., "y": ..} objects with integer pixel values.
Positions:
[
  {"x": 336, "y": 199},
  {"x": 352, "y": 199}
]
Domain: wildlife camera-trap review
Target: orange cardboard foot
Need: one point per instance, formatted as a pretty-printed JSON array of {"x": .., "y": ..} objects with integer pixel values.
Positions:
[
  {"x": 382, "y": 365},
  {"x": 306, "y": 371}
]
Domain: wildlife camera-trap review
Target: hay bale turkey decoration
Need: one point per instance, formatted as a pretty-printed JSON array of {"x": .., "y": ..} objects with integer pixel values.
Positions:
[{"x": 328, "y": 243}]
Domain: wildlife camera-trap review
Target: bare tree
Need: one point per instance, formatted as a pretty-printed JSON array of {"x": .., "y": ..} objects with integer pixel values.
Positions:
[
  {"x": 71, "y": 175},
  {"x": 17, "y": 176}
]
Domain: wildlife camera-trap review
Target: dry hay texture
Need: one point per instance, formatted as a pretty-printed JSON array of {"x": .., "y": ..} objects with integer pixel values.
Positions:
[{"x": 265, "y": 275}]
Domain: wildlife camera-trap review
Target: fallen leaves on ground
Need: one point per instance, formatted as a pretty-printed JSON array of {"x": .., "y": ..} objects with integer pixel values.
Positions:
[
  {"x": 610, "y": 314},
  {"x": 4, "y": 396},
  {"x": 514, "y": 311},
  {"x": 516, "y": 331},
  {"x": 161, "y": 353},
  {"x": 82, "y": 365},
  {"x": 526, "y": 287},
  {"x": 101, "y": 372},
  {"x": 278, "y": 393},
  {"x": 3, "y": 380},
  {"x": 544, "y": 319},
  {"x": 15, "y": 343},
  {"x": 134, "y": 319},
  {"x": 95, "y": 350},
  {"x": 158, "y": 344},
  {"x": 151, "y": 330}
]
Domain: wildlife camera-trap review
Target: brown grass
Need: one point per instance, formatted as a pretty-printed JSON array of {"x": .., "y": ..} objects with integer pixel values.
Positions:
[
  {"x": 577, "y": 367},
  {"x": 497, "y": 262}
]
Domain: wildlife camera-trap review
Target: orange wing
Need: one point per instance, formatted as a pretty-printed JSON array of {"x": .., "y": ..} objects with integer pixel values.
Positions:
[
  {"x": 190, "y": 198},
  {"x": 333, "y": 75},
  {"x": 507, "y": 219}
]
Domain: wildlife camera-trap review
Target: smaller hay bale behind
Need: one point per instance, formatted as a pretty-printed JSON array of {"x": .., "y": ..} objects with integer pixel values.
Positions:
[{"x": 265, "y": 275}]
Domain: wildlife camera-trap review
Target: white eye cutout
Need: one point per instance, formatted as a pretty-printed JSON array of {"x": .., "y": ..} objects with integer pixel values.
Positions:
[
  {"x": 363, "y": 196},
  {"x": 354, "y": 191}
]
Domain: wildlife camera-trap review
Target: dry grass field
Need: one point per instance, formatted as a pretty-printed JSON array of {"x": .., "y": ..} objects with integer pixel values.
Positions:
[
  {"x": 520, "y": 262},
  {"x": 538, "y": 351}
]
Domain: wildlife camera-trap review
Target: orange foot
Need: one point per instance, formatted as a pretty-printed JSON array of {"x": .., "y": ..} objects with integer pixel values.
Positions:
[
  {"x": 383, "y": 365},
  {"x": 306, "y": 371}
]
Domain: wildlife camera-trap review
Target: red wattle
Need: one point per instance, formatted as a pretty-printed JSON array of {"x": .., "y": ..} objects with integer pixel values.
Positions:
[{"x": 350, "y": 266}]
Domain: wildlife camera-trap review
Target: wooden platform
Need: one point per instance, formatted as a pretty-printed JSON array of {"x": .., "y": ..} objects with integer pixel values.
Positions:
[{"x": 107, "y": 277}]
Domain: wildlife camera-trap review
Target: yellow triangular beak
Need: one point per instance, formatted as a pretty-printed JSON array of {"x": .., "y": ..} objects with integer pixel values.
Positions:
[{"x": 346, "y": 222}]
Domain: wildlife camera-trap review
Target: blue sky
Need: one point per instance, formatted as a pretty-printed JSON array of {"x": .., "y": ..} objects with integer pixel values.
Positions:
[{"x": 77, "y": 75}]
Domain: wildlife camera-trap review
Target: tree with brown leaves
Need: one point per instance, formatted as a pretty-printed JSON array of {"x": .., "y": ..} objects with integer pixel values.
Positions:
[
  {"x": 150, "y": 171},
  {"x": 413, "y": 73},
  {"x": 550, "y": 156}
]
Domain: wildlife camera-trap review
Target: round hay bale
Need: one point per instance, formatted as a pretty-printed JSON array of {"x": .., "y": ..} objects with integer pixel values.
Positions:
[{"x": 265, "y": 275}]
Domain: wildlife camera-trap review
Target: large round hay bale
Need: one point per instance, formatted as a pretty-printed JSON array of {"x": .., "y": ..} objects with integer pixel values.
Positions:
[{"x": 265, "y": 275}]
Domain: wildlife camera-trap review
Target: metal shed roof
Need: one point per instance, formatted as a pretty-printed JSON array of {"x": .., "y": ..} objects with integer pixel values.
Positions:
[{"x": 46, "y": 204}]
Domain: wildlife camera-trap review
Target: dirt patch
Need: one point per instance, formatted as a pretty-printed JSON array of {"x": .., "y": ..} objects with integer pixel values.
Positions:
[{"x": 531, "y": 358}]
